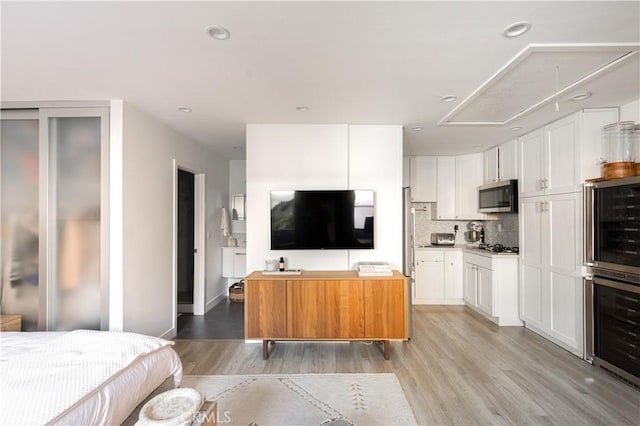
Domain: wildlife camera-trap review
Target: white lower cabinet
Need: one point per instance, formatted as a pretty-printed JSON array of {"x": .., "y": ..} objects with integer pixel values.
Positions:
[
  {"x": 485, "y": 290},
  {"x": 551, "y": 290},
  {"x": 234, "y": 262},
  {"x": 453, "y": 275},
  {"x": 491, "y": 286},
  {"x": 438, "y": 277},
  {"x": 470, "y": 284}
]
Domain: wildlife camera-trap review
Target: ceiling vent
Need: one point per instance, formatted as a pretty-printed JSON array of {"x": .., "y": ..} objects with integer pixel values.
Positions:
[{"x": 535, "y": 77}]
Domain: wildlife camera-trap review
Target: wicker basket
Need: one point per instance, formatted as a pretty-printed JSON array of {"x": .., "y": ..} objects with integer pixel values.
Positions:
[
  {"x": 618, "y": 170},
  {"x": 236, "y": 292}
]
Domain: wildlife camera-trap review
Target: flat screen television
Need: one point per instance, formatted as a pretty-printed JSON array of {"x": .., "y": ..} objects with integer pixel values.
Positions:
[{"x": 331, "y": 219}]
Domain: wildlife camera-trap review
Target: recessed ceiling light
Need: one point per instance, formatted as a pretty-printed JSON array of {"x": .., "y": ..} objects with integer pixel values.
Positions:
[
  {"x": 581, "y": 96},
  {"x": 302, "y": 108},
  {"x": 516, "y": 29},
  {"x": 217, "y": 32},
  {"x": 448, "y": 98},
  {"x": 515, "y": 128},
  {"x": 478, "y": 145},
  {"x": 184, "y": 109},
  {"x": 417, "y": 129}
]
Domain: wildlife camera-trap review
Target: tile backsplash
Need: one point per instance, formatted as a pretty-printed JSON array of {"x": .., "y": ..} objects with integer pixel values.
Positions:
[
  {"x": 508, "y": 235},
  {"x": 502, "y": 231}
]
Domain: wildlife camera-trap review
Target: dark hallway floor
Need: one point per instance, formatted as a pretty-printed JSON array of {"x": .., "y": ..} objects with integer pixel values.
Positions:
[{"x": 223, "y": 321}]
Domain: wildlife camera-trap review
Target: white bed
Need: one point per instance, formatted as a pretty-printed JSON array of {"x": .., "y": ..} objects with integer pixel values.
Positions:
[{"x": 81, "y": 377}]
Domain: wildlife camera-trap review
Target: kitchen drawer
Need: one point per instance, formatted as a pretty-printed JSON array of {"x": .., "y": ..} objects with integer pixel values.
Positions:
[
  {"x": 482, "y": 261},
  {"x": 430, "y": 255}
]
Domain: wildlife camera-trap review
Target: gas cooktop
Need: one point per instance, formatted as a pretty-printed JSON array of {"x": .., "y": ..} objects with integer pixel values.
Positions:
[{"x": 498, "y": 248}]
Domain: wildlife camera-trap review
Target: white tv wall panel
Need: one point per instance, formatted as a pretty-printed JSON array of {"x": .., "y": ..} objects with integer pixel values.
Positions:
[
  {"x": 375, "y": 162},
  {"x": 324, "y": 157},
  {"x": 299, "y": 156}
]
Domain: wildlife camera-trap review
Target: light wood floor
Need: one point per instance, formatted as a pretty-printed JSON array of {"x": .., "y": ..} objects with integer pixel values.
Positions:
[{"x": 458, "y": 369}]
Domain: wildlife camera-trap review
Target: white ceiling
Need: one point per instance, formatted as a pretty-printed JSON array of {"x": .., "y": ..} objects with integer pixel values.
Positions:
[{"x": 349, "y": 62}]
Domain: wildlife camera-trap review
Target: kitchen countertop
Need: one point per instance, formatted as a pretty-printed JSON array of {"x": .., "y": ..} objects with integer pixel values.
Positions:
[
  {"x": 435, "y": 247},
  {"x": 466, "y": 248}
]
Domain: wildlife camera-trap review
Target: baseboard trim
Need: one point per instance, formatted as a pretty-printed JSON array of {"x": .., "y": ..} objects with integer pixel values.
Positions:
[
  {"x": 169, "y": 334},
  {"x": 213, "y": 302},
  {"x": 438, "y": 302}
]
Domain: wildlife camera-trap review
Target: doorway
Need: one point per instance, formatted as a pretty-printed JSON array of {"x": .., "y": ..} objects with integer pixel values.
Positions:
[
  {"x": 185, "y": 240},
  {"x": 188, "y": 241}
]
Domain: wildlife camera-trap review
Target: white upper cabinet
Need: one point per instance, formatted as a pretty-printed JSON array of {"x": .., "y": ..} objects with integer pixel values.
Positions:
[
  {"x": 446, "y": 188},
  {"x": 490, "y": 165},
  {"x": 530, "y": 148},
  {"x": 559, "y": 157},
  {"x": 457, "y": 187},
  {"x": 549, "y": 159},
  {"x": 500, "y": 162},
  {"x": 468, "y": 178},
  {"x": 508, "y": 160},
  {"x": 423, "y": 178}
]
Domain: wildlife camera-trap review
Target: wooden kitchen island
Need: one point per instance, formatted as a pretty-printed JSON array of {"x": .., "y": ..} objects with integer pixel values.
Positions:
[{"x": 325, "y": 305}]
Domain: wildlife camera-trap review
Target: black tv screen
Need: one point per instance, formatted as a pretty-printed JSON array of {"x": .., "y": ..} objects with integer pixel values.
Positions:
[{"x": 311, "y": 220}]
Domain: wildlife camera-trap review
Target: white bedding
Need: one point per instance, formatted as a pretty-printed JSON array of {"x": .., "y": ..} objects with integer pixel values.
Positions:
[{"x": 81, "y": 377}]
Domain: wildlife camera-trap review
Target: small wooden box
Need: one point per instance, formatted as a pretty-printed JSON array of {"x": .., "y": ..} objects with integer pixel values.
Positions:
[{"x": 10, "y": 322}]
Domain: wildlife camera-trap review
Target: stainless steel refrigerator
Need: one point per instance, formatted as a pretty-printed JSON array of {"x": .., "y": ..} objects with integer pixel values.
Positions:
[{"x": 408, "y": 232}]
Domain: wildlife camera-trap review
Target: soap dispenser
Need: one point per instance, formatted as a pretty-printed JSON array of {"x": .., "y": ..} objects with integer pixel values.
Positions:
[{"x": 281, "y": 264}]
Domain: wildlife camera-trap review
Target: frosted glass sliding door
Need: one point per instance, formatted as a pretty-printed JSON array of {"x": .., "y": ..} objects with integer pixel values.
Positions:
[
  {"x": 76, "y": 201},
  {"x": 20, "y": 289},
  {"x": 54, "y": 205}
]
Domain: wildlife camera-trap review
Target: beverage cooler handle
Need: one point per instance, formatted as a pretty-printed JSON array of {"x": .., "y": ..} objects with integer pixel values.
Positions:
[
  {"x": 589, "y": 318},
  {"x": 589, "y": 225}
]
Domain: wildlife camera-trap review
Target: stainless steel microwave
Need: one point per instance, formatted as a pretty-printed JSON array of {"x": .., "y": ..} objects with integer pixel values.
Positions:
[{"x": 499, "y": 197}]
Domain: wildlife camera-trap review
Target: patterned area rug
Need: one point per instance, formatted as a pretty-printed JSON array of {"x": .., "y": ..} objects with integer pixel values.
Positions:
[{"x": 306, "y": 399}]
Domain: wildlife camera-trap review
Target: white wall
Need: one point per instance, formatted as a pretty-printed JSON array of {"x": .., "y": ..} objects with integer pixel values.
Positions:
[
  {"x": 630, "y": 112},
  {"x": 148, "y": 153},
  {"x": 335, "y": 156}
]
